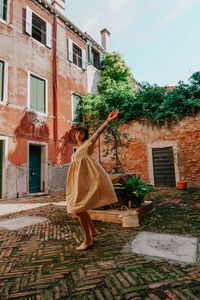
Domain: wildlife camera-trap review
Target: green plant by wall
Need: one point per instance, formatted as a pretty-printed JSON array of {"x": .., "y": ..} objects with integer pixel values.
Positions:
[{"x": 134, "y": 190}]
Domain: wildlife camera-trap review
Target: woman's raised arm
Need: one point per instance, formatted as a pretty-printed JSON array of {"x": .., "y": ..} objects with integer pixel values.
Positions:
[{"x": 111, "y": 117}]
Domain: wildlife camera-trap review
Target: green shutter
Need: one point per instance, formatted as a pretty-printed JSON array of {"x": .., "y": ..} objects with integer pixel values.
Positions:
[
  {"x": 33, "y": 92},
  {"x": 1, "y": 79},
  {"x": 37, "y": 94},
  {"x": 2, "y": 9},
  {"x": 45, "y": 33},
  {"x": 41, "y": 95},
  {"x": 76, "y": 102},
  {"x": 81, "y": 59}
]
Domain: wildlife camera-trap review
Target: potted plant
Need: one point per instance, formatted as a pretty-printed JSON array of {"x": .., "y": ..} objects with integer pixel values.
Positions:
[
  {"x": 180, "y": 159},
  {"x": 133, "y": 191}
]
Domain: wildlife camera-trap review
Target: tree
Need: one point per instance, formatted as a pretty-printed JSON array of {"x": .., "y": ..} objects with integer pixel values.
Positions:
[{"x": 116, "y": 91}]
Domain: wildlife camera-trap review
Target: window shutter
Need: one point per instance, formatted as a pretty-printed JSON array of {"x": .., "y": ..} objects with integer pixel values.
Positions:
[
  {"x": 89, "y": 49},
  {"x": 1, "y": 80},
  {"x": 48, "y": 35},
  {"x": 84, "y": 64},
  {"x": 37, "y": 94},
  {"x": 70, "y": 50},
  {"x": 2, "y": 9},
  {"x": 101, "y": 59},
  {"x": 41, "y": 95},
  {"x": 76, "y": 102},
  {"x": 28, "y": 20},
  {"x": 33, "y": 92}
]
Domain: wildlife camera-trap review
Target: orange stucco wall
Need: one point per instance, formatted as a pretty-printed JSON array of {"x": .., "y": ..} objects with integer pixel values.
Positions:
[{"x": 25, "y": 55}]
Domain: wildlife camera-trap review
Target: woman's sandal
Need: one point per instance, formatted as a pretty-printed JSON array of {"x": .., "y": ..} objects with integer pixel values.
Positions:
[{"x": 83, "y": 246}]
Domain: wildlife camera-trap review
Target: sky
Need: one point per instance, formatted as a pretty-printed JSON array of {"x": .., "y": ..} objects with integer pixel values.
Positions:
[{"x": 159, "y": 39}]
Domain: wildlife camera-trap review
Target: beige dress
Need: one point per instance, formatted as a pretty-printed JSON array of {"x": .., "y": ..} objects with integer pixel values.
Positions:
[{"x": 88, "y": 184}]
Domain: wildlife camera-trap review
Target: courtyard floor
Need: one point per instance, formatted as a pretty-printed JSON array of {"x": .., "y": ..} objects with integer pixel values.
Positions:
[{"x": 40, "y": 261}]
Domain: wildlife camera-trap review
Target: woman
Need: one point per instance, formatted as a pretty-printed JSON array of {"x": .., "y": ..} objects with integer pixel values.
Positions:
[{"x": 88, "y": 185}]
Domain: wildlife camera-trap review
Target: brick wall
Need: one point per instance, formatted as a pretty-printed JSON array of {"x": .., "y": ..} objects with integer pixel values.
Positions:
[{"x": 183, "y": 136}]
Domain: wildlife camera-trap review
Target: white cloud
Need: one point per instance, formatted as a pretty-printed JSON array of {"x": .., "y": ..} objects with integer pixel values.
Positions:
[
  {"x": 112, "y": 14},
  {"x": 180, "y": 8},
  {"x": 91, "y": 22},
  {"x": 117, "y": 6}
]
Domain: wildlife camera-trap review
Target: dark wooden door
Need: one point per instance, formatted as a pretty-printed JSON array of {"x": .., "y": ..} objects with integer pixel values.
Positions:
[
  {"x": 163, "y": 166},
  {"x": 1, "y": 167},
  {"x": 34, "y": 169}
]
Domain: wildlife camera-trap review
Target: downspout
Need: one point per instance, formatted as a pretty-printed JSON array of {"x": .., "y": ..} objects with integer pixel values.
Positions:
[{"x": 55, "y": 102}]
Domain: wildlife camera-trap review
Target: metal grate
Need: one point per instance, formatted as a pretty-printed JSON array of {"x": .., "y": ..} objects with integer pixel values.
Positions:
[{"x": 163, "y": 166}]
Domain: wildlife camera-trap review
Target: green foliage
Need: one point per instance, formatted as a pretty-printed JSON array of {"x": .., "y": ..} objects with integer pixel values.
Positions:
[
  {"x": 134, "y": 189},
  {"x": 115, "y": 75},
  {"x": 160, "y": 104},
  {"x": 116, "y": 92}
]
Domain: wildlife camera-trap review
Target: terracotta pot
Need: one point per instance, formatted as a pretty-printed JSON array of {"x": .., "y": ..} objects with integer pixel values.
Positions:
[{"x": 181, "y": 185}]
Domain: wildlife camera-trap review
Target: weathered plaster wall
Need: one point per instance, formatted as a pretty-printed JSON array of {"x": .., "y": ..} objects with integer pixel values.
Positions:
[
  {"x": 185, "y": 134},
  {"x": 25, "y": 55},
  {"x": 93, "y": 78}
]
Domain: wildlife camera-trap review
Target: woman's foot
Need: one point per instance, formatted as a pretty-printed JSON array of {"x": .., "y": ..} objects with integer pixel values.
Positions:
[{"x": 84, "y": 246}]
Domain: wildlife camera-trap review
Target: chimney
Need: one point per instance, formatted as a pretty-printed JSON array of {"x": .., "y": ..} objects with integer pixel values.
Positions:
[
  {"x": 59, "y": 5},
  {"x": 105, "y": 39}
]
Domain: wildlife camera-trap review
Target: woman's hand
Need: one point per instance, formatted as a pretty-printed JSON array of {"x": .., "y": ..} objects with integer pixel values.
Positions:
[{"x": 113, "y": 115}]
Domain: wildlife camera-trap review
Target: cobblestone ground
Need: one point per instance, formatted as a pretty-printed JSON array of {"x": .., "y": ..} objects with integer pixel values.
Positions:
[{"x": 40, "y": 261}]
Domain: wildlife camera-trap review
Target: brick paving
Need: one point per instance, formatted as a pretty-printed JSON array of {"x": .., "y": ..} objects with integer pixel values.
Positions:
[{"x": 40, "y": 261}]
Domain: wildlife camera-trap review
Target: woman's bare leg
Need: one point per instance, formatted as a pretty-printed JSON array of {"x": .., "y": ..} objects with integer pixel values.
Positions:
[
  {"x": 84, "y": 224},
  {"x": 93, "y": 231}
]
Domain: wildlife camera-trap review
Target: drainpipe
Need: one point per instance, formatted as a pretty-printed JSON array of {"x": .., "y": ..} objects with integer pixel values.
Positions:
[{"x": 55, "y": 102}]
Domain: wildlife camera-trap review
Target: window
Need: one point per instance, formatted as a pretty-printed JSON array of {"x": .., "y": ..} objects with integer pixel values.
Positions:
[
  {"x": 75, "y": 103},
  {"x": 77, "y": 56},
  {"x": 95, "y": 59},
  {"x": 3, "y": 9},
  {"x": 1, "y": 79},
  {"x": 38, "y": 29},
  {"x": 37, "y": 94}
]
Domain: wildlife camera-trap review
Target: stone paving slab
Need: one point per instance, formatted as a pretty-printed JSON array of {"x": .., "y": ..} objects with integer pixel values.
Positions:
[
  {"x": 40, "y": 261},
  {"x": 7, "y": 208},
  {"x": 169, "y": 246},
  {"x": 20, "y": 222}
]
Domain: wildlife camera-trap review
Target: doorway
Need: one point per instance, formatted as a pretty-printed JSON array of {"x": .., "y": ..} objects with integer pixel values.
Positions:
[
  {"x": 34, "y": 169},
  {"x": 163, "y": 167}
]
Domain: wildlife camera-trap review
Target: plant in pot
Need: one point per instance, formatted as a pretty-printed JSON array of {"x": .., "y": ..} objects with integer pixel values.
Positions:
[
  {"x": 180, "y": 159},
  {"x": 133, "y": 191}
]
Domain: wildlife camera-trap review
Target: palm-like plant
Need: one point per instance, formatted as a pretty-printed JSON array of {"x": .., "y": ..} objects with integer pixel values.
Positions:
[{"x": 134, "y": 191}]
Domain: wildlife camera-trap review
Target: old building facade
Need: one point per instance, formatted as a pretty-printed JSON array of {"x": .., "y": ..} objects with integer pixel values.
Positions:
[{"x": 46, "y": 63}]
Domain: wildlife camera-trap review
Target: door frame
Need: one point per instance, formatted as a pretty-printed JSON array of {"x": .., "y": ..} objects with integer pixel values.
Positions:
[
  {"x": 5, "y": 166},
  {"x": 44, "y": 167},
  {"x": 161, "y": 144}
]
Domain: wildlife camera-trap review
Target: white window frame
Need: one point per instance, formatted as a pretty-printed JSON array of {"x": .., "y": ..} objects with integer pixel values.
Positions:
[
  {"x": 47, "y": 33},
  {"x": 7, "y": 21},
  {"x": 5, "y": 82},
  {"x": 70, "y": 54},
  {"x": 44, "y": 166},
  {"x": 72, "y": 103},
  {"x": 5, "y": 166},
  {"x": 161, "y": 144},
  {"x": 46, "y": 94}
]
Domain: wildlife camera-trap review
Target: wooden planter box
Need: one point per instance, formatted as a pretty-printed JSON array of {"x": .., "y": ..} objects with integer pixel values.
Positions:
[{"x": 112, "y": 215}]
